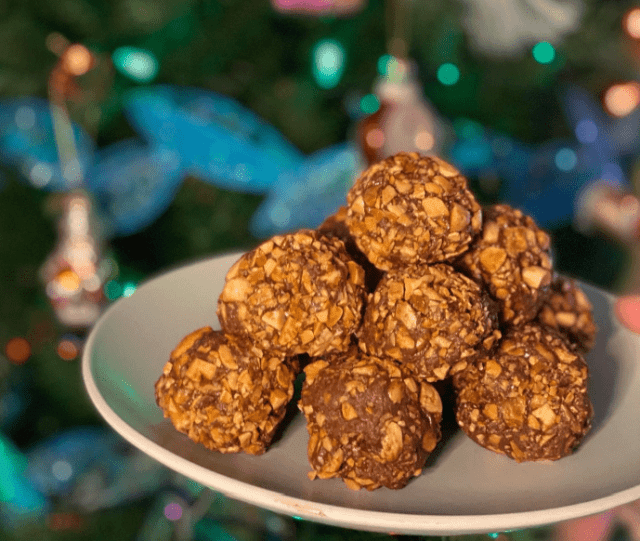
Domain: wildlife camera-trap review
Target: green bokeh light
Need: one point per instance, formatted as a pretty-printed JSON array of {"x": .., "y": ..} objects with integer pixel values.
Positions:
[
  {"x": 137, "y": 64},
  {"x": 448, "y": 74},
  {"x": 328, "y": 63},
  {"x": 128, "y": 289},
  {"x": 369, "y": 104},
  {"x": 112, "y": 290},
  {"x": 543, "y": 52},
  {"x": 383, "y": 64}
]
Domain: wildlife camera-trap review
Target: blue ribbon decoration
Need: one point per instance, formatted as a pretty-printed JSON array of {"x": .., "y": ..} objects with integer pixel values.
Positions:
[
  {"x": 218, "y": 140},
  {"x": 27, "y": 142}
]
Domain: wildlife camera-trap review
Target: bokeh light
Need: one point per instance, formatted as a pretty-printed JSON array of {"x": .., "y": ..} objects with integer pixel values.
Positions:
[
  {"x": 67, "y": 349},
  {"x": 62, "y": 470},
  {"x": 424, "y": 140},
  {"x": 40, "y": 174},
  {"x": 566, "y": 159},
  {"x": 56, "y": 43},
  {"x": 112, "y": 290},
  {"x": 68, "y": 280},
  {"x": 620, "y": 99},
  {"x": 369, "y": 104},
  {"x": 25, "y": 118},
  {"x": 543, "y": 52},
  {"x": 128, "y": 289},
  {"x": 173, "y": 511},
  {"x": 328, "y": 63},
  {"x": 586, "y": 131},
  {"x": 375, "y": 138},
  {"x": 17, "y": 350},
  {"x": 631, "y": 23},
  {"x": 77, "y": 59},
  {"x": 137, "y": 64},
  {"x": 448, "y": 74},
  {"x": 612, "y": 172},
  {"x": 383, "y": 64},
  {"x": 395, "y": 69}
]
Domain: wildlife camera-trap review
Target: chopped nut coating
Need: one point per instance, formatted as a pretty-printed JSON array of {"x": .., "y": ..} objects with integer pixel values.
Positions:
[
  {"x": 529, "y": 401},
  {"x": 411, "y": 209},
  {"x": 569, "y": 311},
  {"x": 367, "y": 424},
  {"x": 293, "y": 294},
  {"x": 228, "y": 396},
  {"x": 430, "y": 318},
  {"x": 336, "y": 226},
  {"x": 511, "y": 258}
]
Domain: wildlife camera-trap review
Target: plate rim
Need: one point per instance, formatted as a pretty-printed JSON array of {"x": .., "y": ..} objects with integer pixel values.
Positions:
[{"x": 341, "y": 516}]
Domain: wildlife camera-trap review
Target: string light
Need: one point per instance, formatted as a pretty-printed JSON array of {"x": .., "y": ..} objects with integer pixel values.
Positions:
[
  {"x": 56, "y": 43},
  {"x": 137, "y": 64},
  {"x": 68, "y": 281},
  {"x": 424, "y": 140},
  {"x": 620, "y": 99},
  {"x": 112, "y": 290},
  {"x": 448, "y": 74},
  {"x": 25, "y": 118},
  {"x": 67, "y": 349},
  {"x": 369, "y": 104},
  {"x": 77, "y": 59},
  {"x": 328, "y": 63},
  {"x": 173, "y": 511},
  {"x": 586, "y": 131},
  {"x": 61, "y": 470},
  {"x": 17, "y": 350},
  {"x": 566, "y": 159},
  {"x": 128, "y": 289},
  {"x": 383, "y": 64},
  {"x": 631, "y": 23},
  {"x": 396, "y": 70},
  {"x": 543, "y": 52},
  {"x": 375, "y": 138},
  {"x": 40, "y": 175}
]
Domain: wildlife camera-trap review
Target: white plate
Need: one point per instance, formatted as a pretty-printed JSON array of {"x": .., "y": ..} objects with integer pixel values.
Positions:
[{"x": 463, "y": 489}]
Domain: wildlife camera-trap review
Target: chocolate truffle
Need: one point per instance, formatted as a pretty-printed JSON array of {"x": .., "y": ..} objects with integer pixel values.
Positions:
[
  {"x": 293, "y": 294},
  {"x": 227, "y": 396},
  {"x": 568, "y": 310},
  {"x": 529, "y": 401},
  {"x": 369, "y": 423},
  {"x": 511, "y": 258},
  {"x": 430, "y": 318},
  {"x": 411, "y": 209},
  {"x": 335, "y": 225}
]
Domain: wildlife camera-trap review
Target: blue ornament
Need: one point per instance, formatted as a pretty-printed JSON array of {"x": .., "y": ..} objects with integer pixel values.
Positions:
[
  {"x": 218, "y": 140},
  {"x": 28, "y": 142},
  {"x": 307, "y": 195},
  {"x": 134, "y": 183}
]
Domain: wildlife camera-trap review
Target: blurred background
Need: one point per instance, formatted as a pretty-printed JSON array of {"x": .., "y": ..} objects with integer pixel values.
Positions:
[{"x": 140, "y": 135}]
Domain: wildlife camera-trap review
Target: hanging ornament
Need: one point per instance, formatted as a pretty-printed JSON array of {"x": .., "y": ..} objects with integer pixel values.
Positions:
[
  {"x": 75, "y": 272},
  {"x": 509, "y": 27},
  {"x": 405, "y": 120}
]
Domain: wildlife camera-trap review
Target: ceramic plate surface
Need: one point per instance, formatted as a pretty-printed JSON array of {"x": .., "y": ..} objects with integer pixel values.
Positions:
[{"x": 463, "y": 489}]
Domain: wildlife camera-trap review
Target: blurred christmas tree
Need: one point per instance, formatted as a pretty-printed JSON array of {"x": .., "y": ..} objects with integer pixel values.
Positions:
[{"x": 481, "y": 74}]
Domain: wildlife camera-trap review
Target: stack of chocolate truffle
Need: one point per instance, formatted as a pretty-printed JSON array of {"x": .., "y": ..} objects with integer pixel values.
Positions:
[{"x": 409, "y": 284}]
